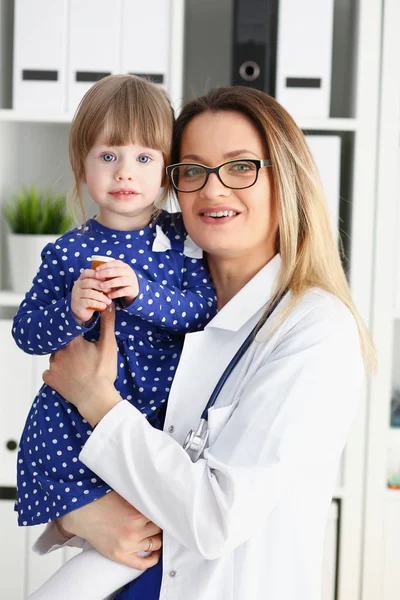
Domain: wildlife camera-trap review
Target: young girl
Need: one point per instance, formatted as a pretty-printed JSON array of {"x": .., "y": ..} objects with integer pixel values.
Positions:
[{"x": 119, "y": 144}]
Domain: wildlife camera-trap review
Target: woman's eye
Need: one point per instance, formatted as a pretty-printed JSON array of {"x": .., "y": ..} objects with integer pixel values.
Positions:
[
  {"x": 144, "y": 159},
  {"x": 108, "y": 157},
  {"x": 242, "y": 167},
  {"x": 193, "y": 172}
]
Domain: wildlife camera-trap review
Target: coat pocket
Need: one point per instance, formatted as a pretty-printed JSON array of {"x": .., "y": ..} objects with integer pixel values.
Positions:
[{"x": 218, "y": 417}]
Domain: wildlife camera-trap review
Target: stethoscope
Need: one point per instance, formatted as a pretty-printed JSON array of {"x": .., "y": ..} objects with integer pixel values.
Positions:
[{"x": 196, "y": 440}]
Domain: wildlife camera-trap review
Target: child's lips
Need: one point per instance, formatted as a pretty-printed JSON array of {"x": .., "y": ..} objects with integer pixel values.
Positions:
[{"x": 123, "y": 193}]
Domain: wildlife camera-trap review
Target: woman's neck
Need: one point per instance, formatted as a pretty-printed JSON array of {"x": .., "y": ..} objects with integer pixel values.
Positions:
[{"x": 229, "y": 275}]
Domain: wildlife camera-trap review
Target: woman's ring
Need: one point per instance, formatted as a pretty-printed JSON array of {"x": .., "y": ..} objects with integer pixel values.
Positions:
[{"x": 150, "y": 548}]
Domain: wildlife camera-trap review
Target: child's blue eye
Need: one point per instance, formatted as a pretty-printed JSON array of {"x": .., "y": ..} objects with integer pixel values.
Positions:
[
  {"x": 144, "y": 159},
  {"x": 108, "y": 157}
]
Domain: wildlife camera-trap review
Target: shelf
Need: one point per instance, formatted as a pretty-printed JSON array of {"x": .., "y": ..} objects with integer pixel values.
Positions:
[
  {"x": 309, "y": 124},
  {"x": 10, "y": 115},
  {"x": 10, "y": 299}
]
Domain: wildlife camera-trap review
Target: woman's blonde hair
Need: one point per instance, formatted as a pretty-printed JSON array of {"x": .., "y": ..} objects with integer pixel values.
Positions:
[
  {"x": 125, "y": 109},
  {"x": 309, "y": 251}
]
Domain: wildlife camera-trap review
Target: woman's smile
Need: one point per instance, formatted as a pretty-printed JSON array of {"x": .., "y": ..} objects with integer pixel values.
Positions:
[
  {"x": 218, "y": 215},
  {"x": 227, "y": 222}
]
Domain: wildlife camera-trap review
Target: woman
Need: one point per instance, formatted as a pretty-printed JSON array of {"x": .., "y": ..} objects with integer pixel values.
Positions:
[{"x": 247, "y": 520}]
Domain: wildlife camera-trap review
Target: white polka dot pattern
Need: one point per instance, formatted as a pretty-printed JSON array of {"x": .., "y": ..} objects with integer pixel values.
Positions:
[{"x": 176, "y": 296}]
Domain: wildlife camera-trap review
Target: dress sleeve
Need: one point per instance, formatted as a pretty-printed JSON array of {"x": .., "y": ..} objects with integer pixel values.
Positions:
[
  {"x": 178, "y": 310},
  {"x": 44, "y": 322},
  {"x": 291, "y": 423}
]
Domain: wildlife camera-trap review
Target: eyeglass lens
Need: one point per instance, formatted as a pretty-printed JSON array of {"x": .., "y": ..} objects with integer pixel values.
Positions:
[{"x": 237, "y": 175}]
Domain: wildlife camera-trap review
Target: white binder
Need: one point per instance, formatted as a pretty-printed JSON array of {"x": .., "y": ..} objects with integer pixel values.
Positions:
[
  {"x": 94, "y": 45},
  {"x": 39, "y": 55},
  {"x": 146, "y": 30},
  {"x": 326, "y": 152},
  {"x": 303, "y": 75},
  {"x": 16, "y": 397}
]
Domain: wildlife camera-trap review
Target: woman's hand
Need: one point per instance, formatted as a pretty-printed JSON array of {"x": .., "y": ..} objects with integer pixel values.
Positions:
[
  {"x": 121, "y": 280},
  {"x": 87, "y": 296},
  {"x": 115, "y": 529},
  {"x": 84, "y": 372}
]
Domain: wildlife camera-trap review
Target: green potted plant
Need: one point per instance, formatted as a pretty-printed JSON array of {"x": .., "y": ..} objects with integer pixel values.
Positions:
[{"x": 34, "y": 220}]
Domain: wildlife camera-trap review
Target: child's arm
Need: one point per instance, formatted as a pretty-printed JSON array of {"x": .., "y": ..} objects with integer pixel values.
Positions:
[
  {"x": 44, "y": 322},
  {"x": 176, "y": 310},
  {"x": 88, "y": 575}
]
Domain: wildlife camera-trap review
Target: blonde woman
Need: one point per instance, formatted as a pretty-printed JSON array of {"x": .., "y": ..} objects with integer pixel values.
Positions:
[{"x": 245, "y": 517}]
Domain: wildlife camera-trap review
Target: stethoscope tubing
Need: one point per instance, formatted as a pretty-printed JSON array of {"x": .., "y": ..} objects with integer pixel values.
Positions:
[{"x": 247, "y": 342}]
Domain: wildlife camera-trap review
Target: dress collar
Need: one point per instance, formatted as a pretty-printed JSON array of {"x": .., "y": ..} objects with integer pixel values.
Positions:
[{"x": 250, "y": 299}]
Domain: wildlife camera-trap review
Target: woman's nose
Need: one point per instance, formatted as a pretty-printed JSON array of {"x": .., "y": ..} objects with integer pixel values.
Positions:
[{"x": 214, "y": 188}]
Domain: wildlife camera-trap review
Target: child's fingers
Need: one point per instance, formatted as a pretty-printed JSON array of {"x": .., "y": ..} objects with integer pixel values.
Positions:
[
  {"x": 113, "y": 269},
  {"x": 87, "y": 273},
  {"x": 90, "y": 283},
  {"x": 92, "y": 296},
  {"x": 97, "y": 305},
  {"x": 116, "y": 282},
  {"x": 120, "y": 293}
]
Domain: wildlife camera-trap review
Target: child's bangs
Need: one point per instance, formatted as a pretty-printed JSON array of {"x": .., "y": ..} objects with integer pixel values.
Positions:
[{"x": 133, "y": 119}]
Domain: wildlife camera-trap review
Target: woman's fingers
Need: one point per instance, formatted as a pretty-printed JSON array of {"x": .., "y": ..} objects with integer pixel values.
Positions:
[
  {"x": 150, "y": 543},
  {"x": 141, "y": 563},
  {"x": 106, "y": 342}
]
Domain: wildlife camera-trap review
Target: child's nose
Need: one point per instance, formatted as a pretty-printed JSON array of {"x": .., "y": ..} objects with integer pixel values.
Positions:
[{"x": 124, "y": 174}]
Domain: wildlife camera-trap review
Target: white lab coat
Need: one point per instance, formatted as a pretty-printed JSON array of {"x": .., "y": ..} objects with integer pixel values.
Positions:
[{"x": 247, "y": 521}]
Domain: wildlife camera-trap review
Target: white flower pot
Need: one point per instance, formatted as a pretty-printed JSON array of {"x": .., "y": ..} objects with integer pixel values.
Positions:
[{"x": 24, "y": 257}]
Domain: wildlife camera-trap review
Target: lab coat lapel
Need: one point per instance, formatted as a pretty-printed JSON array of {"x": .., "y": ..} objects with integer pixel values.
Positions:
[
  {"x": 199, "y": 369},
  {"x": 198, "y": 372}
]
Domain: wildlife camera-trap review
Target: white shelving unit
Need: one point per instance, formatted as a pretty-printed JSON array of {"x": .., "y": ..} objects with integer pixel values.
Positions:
[
  {"x": 382, "y": 508},
  {"x": 34, "y": 148}
]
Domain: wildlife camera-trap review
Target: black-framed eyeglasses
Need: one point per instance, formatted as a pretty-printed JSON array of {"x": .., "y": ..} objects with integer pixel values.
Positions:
[{"x": 237, "y": 174}]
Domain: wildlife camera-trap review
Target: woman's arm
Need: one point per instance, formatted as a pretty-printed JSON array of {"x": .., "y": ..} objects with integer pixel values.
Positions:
[
  {"x": 115, "y": 529},
  {"x": 293, "y": 417}
]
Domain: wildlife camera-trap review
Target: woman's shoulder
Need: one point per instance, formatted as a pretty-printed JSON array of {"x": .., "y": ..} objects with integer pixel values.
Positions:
[{"x": 322, "y": 313}]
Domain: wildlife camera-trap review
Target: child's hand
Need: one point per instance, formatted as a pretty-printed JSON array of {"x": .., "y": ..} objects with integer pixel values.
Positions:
[
  {"x": 87, "y": 296},
  {"x": 121, "y": 280}
]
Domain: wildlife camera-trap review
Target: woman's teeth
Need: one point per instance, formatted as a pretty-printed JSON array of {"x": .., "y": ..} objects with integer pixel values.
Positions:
[{"x": 222, "y": 213}]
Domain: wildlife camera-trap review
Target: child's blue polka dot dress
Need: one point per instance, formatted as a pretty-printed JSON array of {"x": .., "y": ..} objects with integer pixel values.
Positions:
[{"x": 176, "y": 296}]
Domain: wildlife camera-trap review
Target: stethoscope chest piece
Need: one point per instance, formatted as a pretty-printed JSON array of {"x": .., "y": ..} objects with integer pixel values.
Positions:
[{"x": 196, "y": 441}]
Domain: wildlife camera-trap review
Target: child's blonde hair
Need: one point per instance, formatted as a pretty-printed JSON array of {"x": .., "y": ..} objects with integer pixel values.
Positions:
[{"x": 125, "y": 109}]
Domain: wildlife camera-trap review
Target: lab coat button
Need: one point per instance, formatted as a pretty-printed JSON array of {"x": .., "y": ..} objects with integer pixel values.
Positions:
[
  {"x": 172, "y": 573},
  {"x": 171, "y": 429}
]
